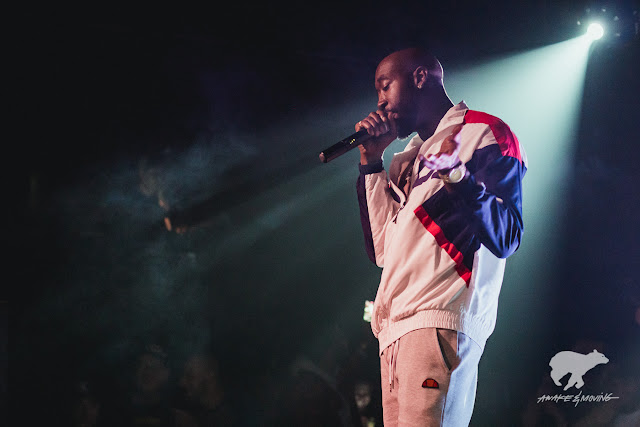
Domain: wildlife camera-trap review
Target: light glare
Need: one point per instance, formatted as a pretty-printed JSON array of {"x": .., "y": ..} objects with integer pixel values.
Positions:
[{"x": 595, "y": 31}]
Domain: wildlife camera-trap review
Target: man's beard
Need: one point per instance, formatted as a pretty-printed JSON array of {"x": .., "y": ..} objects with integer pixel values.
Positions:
[
  {"x": 405, "y": 119},
  {"x": 403, "y": 127}
]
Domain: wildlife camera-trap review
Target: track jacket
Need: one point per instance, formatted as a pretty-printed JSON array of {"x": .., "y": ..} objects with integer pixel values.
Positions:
[{"x": 443, "y": 254}]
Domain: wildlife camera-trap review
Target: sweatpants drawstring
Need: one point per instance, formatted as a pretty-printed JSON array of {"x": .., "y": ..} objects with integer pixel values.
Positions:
[{"x": 392, "y": 363}]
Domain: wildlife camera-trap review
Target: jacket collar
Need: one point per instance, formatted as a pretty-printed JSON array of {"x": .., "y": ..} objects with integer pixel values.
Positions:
[{"x": 454, "y": 116}]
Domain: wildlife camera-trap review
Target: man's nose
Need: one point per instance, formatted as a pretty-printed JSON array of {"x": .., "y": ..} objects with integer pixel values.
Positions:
[{"x": 382, "y": 104}]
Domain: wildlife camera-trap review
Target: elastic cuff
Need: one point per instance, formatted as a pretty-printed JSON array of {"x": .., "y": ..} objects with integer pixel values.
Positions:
[{"x": 370, "y": 168}]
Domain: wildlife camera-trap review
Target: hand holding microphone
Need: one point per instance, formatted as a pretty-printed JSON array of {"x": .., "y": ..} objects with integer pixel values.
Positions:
[
  {"x": 381, "y": 127},
  {"x": 373, "y": 135}
]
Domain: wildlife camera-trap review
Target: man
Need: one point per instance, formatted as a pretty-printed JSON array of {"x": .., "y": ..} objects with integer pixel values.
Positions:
[
  {"x": 151, "y": 401},
  {"x": 440, "y": 222},
  {"x": 205, "y": 393}
]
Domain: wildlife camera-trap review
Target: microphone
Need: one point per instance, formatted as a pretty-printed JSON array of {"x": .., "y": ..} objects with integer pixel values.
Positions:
[{"x": 344, "y": 145}]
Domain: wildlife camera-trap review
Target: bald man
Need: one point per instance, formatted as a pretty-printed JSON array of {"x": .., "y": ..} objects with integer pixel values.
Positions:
[{"x": 440, "y": 222}]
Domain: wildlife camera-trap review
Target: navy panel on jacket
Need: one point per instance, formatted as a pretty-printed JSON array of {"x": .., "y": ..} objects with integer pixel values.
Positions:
[{"x": 473, "y": 214}]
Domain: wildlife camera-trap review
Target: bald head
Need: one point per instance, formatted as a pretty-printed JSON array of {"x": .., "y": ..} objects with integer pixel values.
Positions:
[
  {"x": 410, "y": 89},
  {"x": 406, "y": 61}
]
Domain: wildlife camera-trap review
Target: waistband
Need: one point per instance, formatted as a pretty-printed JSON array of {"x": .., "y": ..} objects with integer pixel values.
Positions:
[{"x": 475, "y": 328}]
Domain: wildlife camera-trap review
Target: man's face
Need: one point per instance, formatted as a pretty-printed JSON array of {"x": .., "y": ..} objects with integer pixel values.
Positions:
[
  {"x": 396, "y": 94},
  {"x": 362, "y": 394},
  {"x": 194, "y": 378}
]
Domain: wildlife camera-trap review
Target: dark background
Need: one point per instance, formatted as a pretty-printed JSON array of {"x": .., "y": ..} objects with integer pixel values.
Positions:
[{"x": 229, "y": 106}]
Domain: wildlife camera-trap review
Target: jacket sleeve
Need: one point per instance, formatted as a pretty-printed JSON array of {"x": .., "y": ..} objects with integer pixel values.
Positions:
[
  {"x": 492, "y": 195},
  {"x": 377, "y": 208}
]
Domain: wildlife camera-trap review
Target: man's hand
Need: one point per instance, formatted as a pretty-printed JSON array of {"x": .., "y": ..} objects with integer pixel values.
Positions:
[
  {"x": 447, "y": 158},
  {"x": 382, "y": 127}
]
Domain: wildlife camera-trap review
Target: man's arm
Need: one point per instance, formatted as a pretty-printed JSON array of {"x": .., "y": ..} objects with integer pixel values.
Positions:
[
  {"x": 377, "y": 208},
  {"x": 492, "y": 196},
  {"x": 490, "y": 190},
  {"x": 375, "y": 199}
]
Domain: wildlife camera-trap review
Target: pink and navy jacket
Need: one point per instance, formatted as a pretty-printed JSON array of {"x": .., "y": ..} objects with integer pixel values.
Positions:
[{"x": 443, "y": 253}]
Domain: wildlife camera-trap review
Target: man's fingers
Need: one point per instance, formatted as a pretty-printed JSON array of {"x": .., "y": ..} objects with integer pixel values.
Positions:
[
  {"x": 447, "y": 158},
  {"x": 430, "y": 161},
  {"x": 370, "y": 126},
  {"x": 439, "y": 161},
  {"x": 376, "y": 123},
  {"x": 366, "y": 125}
]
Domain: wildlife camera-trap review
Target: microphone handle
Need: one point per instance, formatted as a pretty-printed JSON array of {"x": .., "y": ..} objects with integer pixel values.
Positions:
[{"x": 341, "y": 147}]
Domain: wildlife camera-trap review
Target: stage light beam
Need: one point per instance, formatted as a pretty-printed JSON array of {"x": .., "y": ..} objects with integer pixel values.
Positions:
[{"x": 539, "y": 94}]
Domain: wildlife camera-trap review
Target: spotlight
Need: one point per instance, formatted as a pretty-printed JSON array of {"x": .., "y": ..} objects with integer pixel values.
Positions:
[
  {"x": 622, "y": 23},
  {"x": 595, "y": 31}
]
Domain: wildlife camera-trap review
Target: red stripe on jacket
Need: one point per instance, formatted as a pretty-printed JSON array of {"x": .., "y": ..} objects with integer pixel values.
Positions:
[
  {"x": 444, "y": 243},
  {"x": 507, "y": 141}
]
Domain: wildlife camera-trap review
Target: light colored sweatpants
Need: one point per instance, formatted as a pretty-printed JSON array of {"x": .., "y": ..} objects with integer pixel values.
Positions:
[{"x": 429, "y": 378}]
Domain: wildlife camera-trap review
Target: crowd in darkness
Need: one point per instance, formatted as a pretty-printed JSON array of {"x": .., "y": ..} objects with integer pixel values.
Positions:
[{"x": 336, "y": 387}]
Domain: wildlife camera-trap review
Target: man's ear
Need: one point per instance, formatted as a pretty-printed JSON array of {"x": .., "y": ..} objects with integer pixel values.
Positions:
[{"x": 420, "y": 75}]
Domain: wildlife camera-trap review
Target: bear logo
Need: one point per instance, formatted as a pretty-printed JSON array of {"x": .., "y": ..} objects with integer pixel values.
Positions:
[{"x": 575, "y": 363}]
